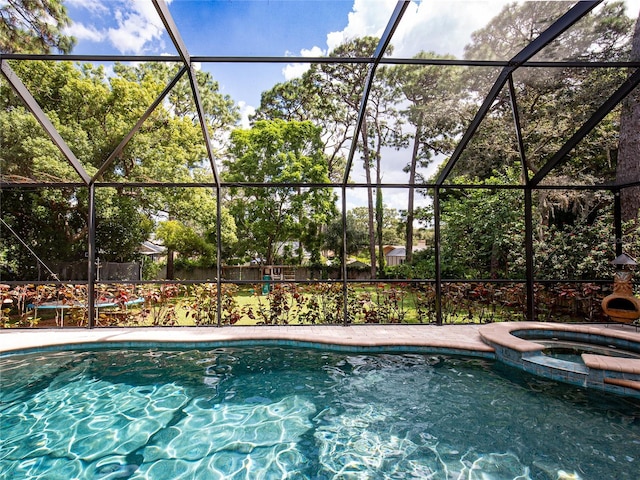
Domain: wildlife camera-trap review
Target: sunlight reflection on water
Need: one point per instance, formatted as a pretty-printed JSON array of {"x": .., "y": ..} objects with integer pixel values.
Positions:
[{"x": 269, "y": 413}]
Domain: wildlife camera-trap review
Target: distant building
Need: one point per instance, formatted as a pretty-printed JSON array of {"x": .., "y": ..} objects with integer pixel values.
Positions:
[
  {"x": 152, "y": 251},
  {"x": 394, "y": 255}
]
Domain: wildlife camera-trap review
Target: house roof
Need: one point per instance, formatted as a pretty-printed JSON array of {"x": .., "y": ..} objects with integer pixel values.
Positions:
[
  {"x": 402, "y": 251},
  {"x": 149, "y": 248}
]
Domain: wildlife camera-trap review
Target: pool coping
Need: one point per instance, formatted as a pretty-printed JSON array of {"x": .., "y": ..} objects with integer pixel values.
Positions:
[
  {"x": 479, "y": 338},
  {"x": 463, "y": 339}
]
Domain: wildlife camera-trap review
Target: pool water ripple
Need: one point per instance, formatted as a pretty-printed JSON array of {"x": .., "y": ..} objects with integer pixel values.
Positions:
[{"x": 287, "y": 413}]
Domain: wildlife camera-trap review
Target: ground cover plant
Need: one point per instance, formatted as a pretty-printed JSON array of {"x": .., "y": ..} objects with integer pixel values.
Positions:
[{"x": 174, "y": 304}]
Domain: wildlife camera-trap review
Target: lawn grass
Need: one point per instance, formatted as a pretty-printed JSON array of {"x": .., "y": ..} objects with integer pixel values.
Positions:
[{"x": 297, "y": 306}]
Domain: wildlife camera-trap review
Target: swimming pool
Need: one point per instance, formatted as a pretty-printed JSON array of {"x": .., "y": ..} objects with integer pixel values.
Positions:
[{"x": 267, "y": 412}]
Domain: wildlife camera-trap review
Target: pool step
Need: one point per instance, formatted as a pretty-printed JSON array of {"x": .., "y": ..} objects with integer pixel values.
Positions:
[{"x": 541, "y": 361}]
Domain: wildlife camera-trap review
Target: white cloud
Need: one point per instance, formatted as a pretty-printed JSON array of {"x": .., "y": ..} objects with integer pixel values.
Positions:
[
  {"x": 91, "y": 5},
  {"x": 138, "y": 25},
  {"x": 295, "y": 70},
  {"x": 368, "y": 17},
  {"x": 82, "y": 32},
  {"x": 430, "y": 25},
  {"x": 245, "y": 112},
  {"x": 441, "y": 26},
  {"x": 131, "y": 26}
]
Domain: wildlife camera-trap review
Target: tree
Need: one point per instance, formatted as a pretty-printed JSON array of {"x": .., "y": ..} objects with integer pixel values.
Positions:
[
  {"x": 307, "y": 98},
  {"x": 191, "y": 226},
  {"x": 93, "y": 113},
  {"x": 330, "y": 96},
  {"x": 431, "y": 93},
  {"x": 285, "y": 154},
  {"x": 483, "y": 230},
  {"x": 552, "y": 103},
  {"x": 628, "y": 164},
  {"x": 343, "y": 84},
  {"x": 183, "y": 239},
  {"x": 357, "y": 230},
  {"x": 34, "y": 26},
  {"x": 383, "y": 129},
  {"x": 121, "y": 226},
  {"x": 357, "y": 234}
]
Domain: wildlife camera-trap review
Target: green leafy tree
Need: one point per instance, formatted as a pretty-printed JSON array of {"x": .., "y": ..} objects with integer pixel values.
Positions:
[
  {"x": 172, "y": 149},
  {"x": 358, "y": 231},
  {"x": 46, "y": 225},
  {"x": 343, "y": 84},
  {"x": 183, "y": 239},
  {"x": 71, "y": 98},
  {"x": 357, "y": 235},
  {"x": 34, "y": 26},
  {"x": 391, "y": 231},
  {"x": 330, "y": 95},
  {"x": 280, "y": 153},
  {"x": 483, "y": 236},
  {"x": 483, "y": 231},
  {"x": 121, "y": 226},
  {"x": 307, "y": 98},
  {"x": 192, "y": 216},
  {"x": 93, "y": 112},
  {"x": 553, "y": 102}
]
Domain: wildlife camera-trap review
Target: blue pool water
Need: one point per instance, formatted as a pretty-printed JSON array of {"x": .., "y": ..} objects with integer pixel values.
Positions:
[{"x": 275, "y": 413}]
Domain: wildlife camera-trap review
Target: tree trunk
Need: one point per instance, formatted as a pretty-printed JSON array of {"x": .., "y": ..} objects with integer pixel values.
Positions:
[
  {"x": 379, "y": 219},
  {"x": 170, "y": 267},
  {"x": 410, "y": 203},
  {"x": 628, "y": 165},
  {"x": 367, "y": 169}
]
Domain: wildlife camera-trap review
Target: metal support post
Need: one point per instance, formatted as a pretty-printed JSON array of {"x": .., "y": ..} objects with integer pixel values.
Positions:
[
  {"x": 91, "y": 248},
  {"x": 529, "y": 253},
  {"x": 617, "y": 221},
  {"x": 436, "y": 220},
  {"x": 219, "y": 253},
  {"x": 345, "y": 290}
]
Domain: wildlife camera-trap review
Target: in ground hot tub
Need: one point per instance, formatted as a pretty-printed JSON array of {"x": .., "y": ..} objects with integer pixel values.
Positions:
[{"x": 607, "y": 358}]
